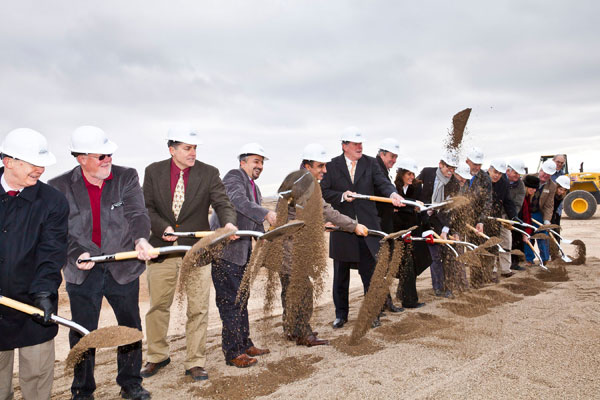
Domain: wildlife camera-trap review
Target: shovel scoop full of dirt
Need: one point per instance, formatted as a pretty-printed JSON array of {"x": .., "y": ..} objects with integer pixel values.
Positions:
[{"x": 101, "y": 338}]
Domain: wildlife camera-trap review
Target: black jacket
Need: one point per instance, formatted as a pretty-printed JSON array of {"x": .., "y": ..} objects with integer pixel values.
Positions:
[
  {"x": 439, "y": 219},
  {"x": 385, "y": 211},
  {"x": 480, "y": 191},
  {"x": 501, "y": 199},
  {"x": 33, "y": 249},
  {"x": 344, "y": 246}
]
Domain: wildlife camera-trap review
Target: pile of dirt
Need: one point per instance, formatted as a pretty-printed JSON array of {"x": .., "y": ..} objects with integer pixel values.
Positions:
[
  {"x": 525, "y": 286},
  {"x": 414, "y": 325},
  {"x": 359, "y": 348},
  {"x": 557, "y": 272},
  {"x": 580, "y": 252},
  {"x": 276, "y": 374},
  {"x": 110, "y": 336}
]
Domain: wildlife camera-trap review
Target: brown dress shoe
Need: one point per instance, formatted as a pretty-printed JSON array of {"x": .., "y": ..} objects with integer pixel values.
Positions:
[
  {"x": 242, "y": 361},
  {"x": 253, "y": 351},
  {"x": 311, "y": 340},
  {"x": 197, "y": 373},
  {"x": 152, "y": 368}
]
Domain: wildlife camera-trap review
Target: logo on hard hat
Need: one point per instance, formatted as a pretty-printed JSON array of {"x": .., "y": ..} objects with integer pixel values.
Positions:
[
  {"x": 43, "y": 151},
  {"x": 193, "y": 134},
  {"x": 105, "y": 140}
]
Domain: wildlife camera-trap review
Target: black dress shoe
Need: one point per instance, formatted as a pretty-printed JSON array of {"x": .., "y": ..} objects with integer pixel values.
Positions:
[
  {"x": 135, "y": 392},
  {"x": 416, "y": 305},
  {"x": 339, "y": 322},
  {"x": 389, "y": 306},
  {"x": 517, "y": 268}
]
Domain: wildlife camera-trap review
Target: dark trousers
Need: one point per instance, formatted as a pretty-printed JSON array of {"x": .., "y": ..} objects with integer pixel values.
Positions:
[
  {"x": 296, "y": 321},
  {"x": 407, "y": 286},
  {"x": 86, "y": 301},
  {"x": 517, "y": 244},
  {"x": 341, "y": 278},
  {"x": 235, "y": 335}
]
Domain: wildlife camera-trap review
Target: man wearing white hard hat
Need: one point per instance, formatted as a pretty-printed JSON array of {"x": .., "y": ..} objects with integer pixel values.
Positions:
[
  {"x": 559, "y": 160},
  {"x": 296, "y": 321},
  {"x": 387, "y": 155},
  {"x": 502, "y": 207},
  {"x": 229, "y": 268},
  {"x": 516, "y": 189},
  {"x": 563, "y": 184},
  {"x": 33, "y": 249},
  {"x": 107, "y": 215},
  {"x": 347, "y": 174},
  {"x": 416, "y": 255},
  {"x": 178, "y": 192},
  {"x": 480, "y": 188},
  {"x": 438, "y": 185},
  {"x": 542, "y": 207}
]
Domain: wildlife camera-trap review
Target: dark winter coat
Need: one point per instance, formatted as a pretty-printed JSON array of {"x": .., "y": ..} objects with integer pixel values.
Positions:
[
  {"x": 33, "y": 249},
  {"x": 385, "y": 211},
  {"x": 502, "y": 204}
]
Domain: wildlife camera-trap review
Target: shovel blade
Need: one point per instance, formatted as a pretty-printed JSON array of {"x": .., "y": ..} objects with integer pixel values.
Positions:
[{"x": 284, "y": 230}]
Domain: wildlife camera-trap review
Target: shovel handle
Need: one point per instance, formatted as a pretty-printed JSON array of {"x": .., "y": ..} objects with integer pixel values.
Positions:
[
  {"x": 17, "y": 305},
  {"x": 380, "y": 199}
]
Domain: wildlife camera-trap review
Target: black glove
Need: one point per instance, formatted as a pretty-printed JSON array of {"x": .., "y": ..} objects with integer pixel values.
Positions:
[{"x": 42, "y": 301}]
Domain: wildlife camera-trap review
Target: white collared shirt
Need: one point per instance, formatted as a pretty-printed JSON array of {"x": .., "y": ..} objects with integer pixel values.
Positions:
[{"x": 5, "y": 185}]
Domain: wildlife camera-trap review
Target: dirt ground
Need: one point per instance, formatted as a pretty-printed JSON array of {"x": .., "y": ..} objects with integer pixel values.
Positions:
[{"x": 531, "y": 336}]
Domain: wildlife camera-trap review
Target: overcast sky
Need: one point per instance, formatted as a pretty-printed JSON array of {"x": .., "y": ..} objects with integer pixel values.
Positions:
[{"x": 287, "y": 73}]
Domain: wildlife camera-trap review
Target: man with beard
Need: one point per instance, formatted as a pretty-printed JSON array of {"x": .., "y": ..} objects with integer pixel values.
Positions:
[
  {"x": 438, "y": 184},
  {"x": 33, "y": 249},
  {"x": 347, "y": 174},
  {"x": 516, "y": 190},
  {"x": 228, "y": 270},
  {"x": 502, "y": 207},
  {"x": 107, "y": 215},
  {"x": 386, "y": 158},
  {"x": 178, "y": 192}
]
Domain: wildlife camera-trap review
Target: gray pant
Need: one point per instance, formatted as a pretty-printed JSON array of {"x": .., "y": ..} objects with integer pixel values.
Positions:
[
  {"x": 437, "y": 267},
  {"x": 36, "y": 371}
]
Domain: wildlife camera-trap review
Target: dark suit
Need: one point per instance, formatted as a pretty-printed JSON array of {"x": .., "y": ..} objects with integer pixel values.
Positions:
[
  {"x": 204, "y": 188},
  {"x": 229, "y": 269},
  {"x": 385, "y": 211},
  {"x": 347, "y": 249},
  {"x": 124, "y": 219}
]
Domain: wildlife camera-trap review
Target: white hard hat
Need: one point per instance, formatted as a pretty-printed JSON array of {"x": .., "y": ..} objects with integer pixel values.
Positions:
[
  {"x": 391, "y": 145},
  {"x": 90, "y": 139},
  {"x": 549, "y": 167},
  {"x": 252, "y": 148},
  {"x": 498, "y": 165},
  {"x": 564, "y": 181},
  {"x": 464, "y": 171},
  {"x": 184, "y": 134},
  {"x": 451, "y": 159},
  {"x": 352, "y": 134},
  {"x": 408, "y": 164},
  {"x": 315, "y": 152},
  {"x": 28, "y": 145},
  {"x": 475, "y": 155},
  {"x": 517, "y": 165}
]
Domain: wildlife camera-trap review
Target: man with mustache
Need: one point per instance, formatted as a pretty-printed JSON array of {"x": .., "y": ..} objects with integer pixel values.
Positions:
[
  {"x": 227, "y": 273},
  {"x": 178, "y": 192},
  {"x": 107, "y": 215},
  {"x": 33, "y": 249}
]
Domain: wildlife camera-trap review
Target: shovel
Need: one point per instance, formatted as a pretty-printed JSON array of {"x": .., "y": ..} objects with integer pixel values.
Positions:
[
  {"x": 284, "y": 230},
  {"x": 511, "y": 226},
  {"x": 483, "y": 235},
  {"x": 422, "y": 207},
  {"x": 563, "y": 256},
  {"x": 381, "y": 234}
]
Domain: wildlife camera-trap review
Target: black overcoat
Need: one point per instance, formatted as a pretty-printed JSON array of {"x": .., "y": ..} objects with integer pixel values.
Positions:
[
  {"x": 344, "y": 246},
  {"x": 384, "y": 210},
  {"x": 33, "y": 249}
]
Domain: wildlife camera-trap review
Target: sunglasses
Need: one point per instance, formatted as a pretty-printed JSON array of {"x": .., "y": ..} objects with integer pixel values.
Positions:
[{"x": 100, "y": 157}]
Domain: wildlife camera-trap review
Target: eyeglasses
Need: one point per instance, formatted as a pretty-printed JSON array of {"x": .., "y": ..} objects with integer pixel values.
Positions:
[{"x": 100, "y": 157}]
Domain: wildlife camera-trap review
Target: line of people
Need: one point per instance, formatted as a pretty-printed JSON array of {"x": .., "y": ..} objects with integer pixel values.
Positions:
[{"x": 101, "y": 208}]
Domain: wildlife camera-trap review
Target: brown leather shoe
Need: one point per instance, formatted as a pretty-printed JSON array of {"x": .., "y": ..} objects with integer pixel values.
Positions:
[
  {"x": 152, "y": 368},
  {"x": 242, "y": 361},
  {"x": 197, "y": 373},
  {"x": 311, "y": 340},
  {"x": 253, "y": 351}
]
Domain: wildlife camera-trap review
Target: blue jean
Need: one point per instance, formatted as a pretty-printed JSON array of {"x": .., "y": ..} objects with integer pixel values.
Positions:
[
  {"x": 437, "y": 267},
  {"x": 86, "y": 301},
  {"x": 543, "y": 246}
]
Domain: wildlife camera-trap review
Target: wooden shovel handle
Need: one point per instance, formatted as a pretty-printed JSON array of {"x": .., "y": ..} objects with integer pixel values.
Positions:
[
  {"x": 201, "y": 234},
  {"x": 17, "y": 305},
  {"x": 471, "y": 227},
  {"x": 126, "y": 255},
  {"x": 536, "y": 222},
  {"x": 381, "y": 199},
  {"x": 443, "y": 241},
  {"x": 506, "y": 221}
]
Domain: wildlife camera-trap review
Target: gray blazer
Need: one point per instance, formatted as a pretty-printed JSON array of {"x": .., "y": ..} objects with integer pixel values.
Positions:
[
  {"x": 250, "y": 215},
  {"x": 123, "y": 218}
]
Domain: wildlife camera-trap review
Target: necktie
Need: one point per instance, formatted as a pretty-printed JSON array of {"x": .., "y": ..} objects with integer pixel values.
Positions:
[
  {"x": 13, "y": 193},
  {"x": 352, "y": 170},
  {"x": 254, "y": 190},
  {"x": 178, "y": 196}
]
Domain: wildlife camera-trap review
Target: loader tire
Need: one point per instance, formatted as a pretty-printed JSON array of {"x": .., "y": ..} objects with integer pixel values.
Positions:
[{"x": 580, "y": 204}]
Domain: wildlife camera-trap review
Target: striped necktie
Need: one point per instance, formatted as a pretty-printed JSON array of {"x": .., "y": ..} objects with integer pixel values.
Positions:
[{"x": 178, "y": 196}]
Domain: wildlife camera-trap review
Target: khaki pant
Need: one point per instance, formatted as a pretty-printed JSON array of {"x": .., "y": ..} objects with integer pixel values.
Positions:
[
  {"x": 504, "y": 258},
  {"x": 162, "y": 281},
  {"x": 36, "y": 371}
]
